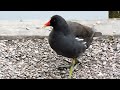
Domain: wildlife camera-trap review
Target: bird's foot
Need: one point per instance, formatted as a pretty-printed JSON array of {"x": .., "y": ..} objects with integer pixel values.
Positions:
[
  {"x": 62, "y": 67},
  {"x": 70, "y": 66}
]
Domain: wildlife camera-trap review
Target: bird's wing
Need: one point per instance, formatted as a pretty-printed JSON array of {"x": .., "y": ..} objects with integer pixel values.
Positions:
[
  {"x": 83, "y": 32},
  {"x": 80, "y": 30}
]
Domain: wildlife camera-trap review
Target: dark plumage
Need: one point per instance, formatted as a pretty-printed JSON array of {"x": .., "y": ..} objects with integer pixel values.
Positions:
[
  {"x": 82, "y": 32},
  {"x": 69, "y": 39}
]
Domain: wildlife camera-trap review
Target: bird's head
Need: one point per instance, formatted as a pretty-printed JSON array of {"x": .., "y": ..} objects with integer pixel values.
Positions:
[{"x": 55, "y": 21}]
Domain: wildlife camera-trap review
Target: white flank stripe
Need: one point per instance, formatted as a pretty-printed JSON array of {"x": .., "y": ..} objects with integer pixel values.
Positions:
[{"x": 79, "y": 39}]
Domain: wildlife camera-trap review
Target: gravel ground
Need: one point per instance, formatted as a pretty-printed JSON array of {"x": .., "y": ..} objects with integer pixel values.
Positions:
[{"x": 34, "y": 59}]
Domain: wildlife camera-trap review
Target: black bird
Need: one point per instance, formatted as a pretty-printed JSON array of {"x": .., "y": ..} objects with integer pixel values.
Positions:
[{"x": 69, "y": 39}]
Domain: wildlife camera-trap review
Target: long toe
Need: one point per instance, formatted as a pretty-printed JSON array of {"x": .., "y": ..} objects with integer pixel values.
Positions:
[{"x": 63, "y": 67}]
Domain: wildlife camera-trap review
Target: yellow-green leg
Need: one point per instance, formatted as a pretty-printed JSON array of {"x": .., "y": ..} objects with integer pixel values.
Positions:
[{"x": 74, "y": 62}]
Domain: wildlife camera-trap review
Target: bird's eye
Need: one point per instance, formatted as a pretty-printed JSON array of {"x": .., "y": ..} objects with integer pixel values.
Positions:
[{"x": 54, "y": 20}]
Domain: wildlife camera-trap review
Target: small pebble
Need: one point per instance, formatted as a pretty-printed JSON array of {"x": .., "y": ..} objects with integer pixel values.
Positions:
[{"x": 34, "y": 58}]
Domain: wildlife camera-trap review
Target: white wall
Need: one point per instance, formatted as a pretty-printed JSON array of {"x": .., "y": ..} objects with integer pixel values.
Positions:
[{"x": 44, "y": 15}]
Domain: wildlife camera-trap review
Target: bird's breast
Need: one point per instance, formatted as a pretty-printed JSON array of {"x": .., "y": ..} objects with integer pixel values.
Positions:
[{"x": 65, "y": 45}]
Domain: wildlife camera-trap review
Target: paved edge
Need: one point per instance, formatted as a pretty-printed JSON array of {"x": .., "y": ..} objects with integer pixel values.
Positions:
[
  {"x": 21, "y": 37},
  {"x": 40, "y": 37}
]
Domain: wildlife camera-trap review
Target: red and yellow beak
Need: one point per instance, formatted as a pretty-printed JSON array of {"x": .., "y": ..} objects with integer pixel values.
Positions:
[{"x": 46, "y": 24}]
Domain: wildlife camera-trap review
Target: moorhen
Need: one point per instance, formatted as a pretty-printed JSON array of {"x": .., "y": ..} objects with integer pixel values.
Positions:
[{"x": 69, "y": 39}]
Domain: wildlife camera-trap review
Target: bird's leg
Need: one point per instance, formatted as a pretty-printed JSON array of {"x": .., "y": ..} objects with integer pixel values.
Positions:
[{"x": 74, "y": 62}]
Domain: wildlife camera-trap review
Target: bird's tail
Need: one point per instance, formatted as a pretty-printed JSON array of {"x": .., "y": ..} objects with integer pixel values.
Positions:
[
  {"x": 91, "y": 38},
  {"x": 96, "y": 34}
]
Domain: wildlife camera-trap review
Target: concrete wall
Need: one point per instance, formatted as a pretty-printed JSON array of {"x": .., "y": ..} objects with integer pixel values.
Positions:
[
  {"x": 45, "y": 15},
  {"x": 33, "y": 28}
]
